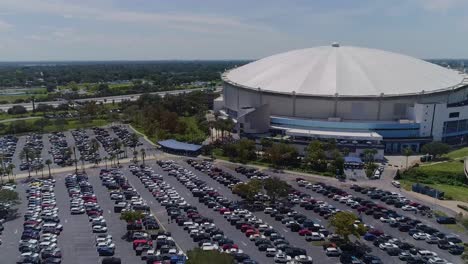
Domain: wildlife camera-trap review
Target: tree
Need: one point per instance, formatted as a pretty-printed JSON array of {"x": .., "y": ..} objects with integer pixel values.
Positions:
[
  {"x": 337, "y": 165},
  {"x": 246, "y": 150},
  {"x": 105, "y": 161},
  {"x": 369, "y": 155},
  {"x": 73, "y": 86},
  {"x": 17, "y": 110},
  {"x": 199, "y": 256},
  {"x": 8, "y": 196},
  {"x": 10, "y": 169},
  {"x": 134, "y": 141},
  {"x": 41, "y": 123},
  {"x": 345, "y": 151},
  {"x": 276, "y": 188},
  {"x": 131, "y": 216},
  {"x": 407, "y": 152},
  {"x": 143, "y": 155},
  {"x": 343, "y": 224},
  {"x": 28, "y": 154},
  {"x": 248, "y": 190},
  {"x": 282, "y": 154},
  {"x": 266, "y": 143},
  {"x": 397, "y": 175},
  {"x": 435, "y": 148},
  {"x": 315, "y": 155},
  {"x": 48, "y": 162},
  {"x": 135, "y": 156}
]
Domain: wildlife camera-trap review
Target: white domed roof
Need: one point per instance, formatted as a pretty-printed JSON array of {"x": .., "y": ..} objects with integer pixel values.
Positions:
[{"x": 343, "y": 70}]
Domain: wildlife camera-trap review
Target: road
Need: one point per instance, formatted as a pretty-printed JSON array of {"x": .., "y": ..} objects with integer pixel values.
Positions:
[{"x": 107, "y": 99}]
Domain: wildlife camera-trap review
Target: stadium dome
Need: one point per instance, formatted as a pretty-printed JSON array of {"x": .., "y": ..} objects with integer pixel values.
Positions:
[{"x": 343, "y": 71}]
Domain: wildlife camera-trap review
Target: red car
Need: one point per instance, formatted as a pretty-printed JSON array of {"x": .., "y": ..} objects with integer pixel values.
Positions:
[
  {"x": 304, "y": 232},
  {"x": 250, "y": 232},
  {"x": 139, "y": 242},
  {"x": 245, "y": 227},
  {"x": 229, "y": 246},
  {"x": 375, "y": 232},
  {"x": 223, "y": 210}
]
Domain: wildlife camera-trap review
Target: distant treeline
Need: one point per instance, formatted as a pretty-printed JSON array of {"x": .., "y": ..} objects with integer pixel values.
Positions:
[{"x": 160, "y": 73}]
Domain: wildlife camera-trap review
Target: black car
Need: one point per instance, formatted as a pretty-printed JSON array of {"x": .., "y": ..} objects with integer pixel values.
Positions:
[
  {"x": 456, "y": 250},
  {"x": 295, "y": 251},
  {"x": 371, "y": 259},
  {"x": 446, "y": 220}
]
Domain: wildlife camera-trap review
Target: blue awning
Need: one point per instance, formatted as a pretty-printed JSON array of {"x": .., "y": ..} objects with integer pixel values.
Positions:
[
  {"x": 177, "y": 145},
  {"x": 350, "y": 159}
]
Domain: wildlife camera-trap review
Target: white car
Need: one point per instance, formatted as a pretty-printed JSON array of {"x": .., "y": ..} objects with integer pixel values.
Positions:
[
  {"x": 208, "y": 246},
  {"x": 396, "y": 184},
  {"x": 420, "y": 236},
  {"x": 385, "y": 246},
  {"x": 47, "y": 244},
  {"x": 99, "y": 229},
  {"x": 314, "y": 236},
  {"x": 409, "y": 208},
  {"x": 303, "y": 259},
  {"x": 332, "y": 252},
  {"x": 103, "y": 236},
  {"x": 385, "y": 219},
  {"x": 282, "y": 258},
  {"x": 106, "y": 244},
  {"x": 271, "y": 252},
  {"x": 437, "y": 260}
]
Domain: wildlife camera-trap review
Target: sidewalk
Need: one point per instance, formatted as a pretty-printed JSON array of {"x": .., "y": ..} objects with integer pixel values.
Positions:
[{"x": 158, "y": 156}]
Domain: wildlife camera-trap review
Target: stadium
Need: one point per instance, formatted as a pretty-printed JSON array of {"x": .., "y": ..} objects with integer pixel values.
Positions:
[{"x": 363, "y": 98}]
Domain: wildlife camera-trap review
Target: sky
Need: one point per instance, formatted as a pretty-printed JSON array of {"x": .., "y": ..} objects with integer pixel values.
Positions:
[{"x": 32, "y": 30}]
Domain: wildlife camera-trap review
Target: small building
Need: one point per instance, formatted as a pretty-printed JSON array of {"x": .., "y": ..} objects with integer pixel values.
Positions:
[{"x": 180, "y": 148}]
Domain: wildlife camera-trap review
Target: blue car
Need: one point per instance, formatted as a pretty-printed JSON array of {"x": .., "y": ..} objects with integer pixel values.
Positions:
[
  {"x": 105, "y": 251},
  {"x": 369, "y": 237}
]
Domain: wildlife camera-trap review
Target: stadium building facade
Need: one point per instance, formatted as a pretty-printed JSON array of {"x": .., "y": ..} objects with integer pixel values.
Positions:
[{"x": 361, "y": 97}]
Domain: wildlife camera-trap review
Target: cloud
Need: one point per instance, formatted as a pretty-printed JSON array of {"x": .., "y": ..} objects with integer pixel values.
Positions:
[
  {"x": 4, "y": 26},
  {"x": 187, "y": 21},
  {"x": 440, "y": 5}
]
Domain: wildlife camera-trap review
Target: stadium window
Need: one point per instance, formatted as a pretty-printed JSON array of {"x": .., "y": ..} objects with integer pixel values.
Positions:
[{"x": 454, "y": 114}]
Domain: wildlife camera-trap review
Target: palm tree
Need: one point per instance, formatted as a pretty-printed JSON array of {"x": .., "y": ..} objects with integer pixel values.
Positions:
[
  {"x": 94, "y": 145},
  {"x": 143, "y": 155},
  {"x": 41, "y": 166},
  {"x": 134, "y": 141},
  {"x": 48, "y": 162},
  {"x": 10, "y": 168},
  {"x": 407, "y": 152},
  {"x": 82, "y": 163},
  {"x": 28, "y": 154},
  {"x": 116, "y": 145},
  {"x": 125, "y": 145},
  {"x": 135, "y": 156},
  {"x": 105, "y": 161},
  {"x": 113, "y": 156},
  {"x": 3, "y": 165}
]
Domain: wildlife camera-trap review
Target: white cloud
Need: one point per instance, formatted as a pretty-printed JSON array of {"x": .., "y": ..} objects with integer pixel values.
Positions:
[
  {"x": 4, "y": 26},
  {"x": 108, "y": 13},
  {"x": 441, "y": 5}
]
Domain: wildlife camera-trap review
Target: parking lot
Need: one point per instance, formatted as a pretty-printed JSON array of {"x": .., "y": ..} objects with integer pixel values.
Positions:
[
  {"x": 189, "y": 203},
  {"x": 88, "y": 146}
]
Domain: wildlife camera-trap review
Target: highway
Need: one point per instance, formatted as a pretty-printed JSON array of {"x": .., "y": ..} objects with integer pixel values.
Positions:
[{"x": 107, "y": 99}]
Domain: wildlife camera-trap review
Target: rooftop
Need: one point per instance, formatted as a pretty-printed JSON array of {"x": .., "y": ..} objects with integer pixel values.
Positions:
[{"x": 344, "y": 71}]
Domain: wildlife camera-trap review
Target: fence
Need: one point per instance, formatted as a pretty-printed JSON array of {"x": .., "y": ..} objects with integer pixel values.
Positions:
[{"x": 423, "y": 189}]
